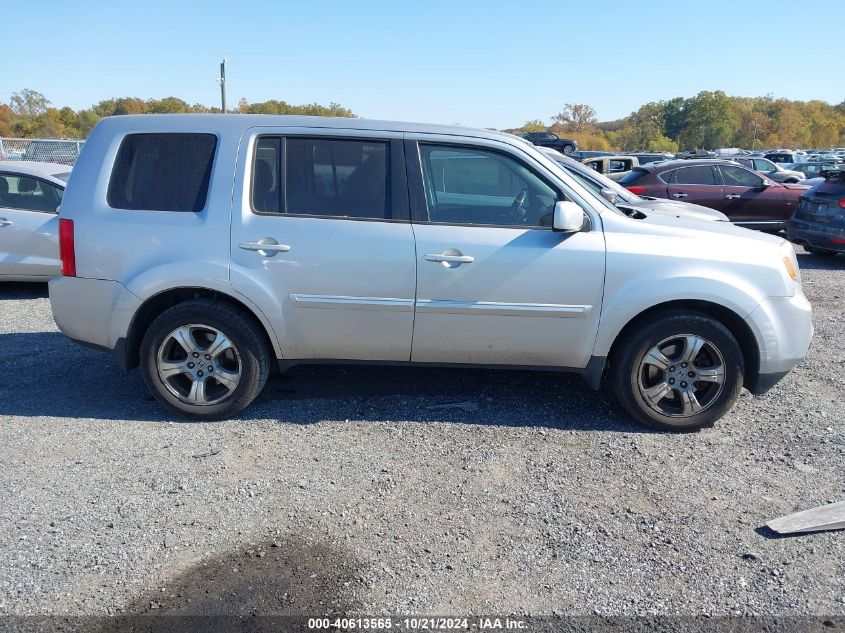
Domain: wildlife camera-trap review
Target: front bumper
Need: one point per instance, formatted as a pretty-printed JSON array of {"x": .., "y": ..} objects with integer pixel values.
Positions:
[
  {"x": 94, "y": 312},
  {"x": 783, "y": 327},
  {"x": 816, "y": 235}
]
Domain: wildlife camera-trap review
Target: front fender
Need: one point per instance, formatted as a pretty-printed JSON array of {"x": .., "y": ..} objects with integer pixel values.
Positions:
[{"x": 623, "y": 304}]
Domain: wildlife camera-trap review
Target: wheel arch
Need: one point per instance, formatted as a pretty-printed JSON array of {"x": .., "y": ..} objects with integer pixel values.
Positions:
[
  {"x": 127, "y": 350},
  {"x": 727, "y": 317}
]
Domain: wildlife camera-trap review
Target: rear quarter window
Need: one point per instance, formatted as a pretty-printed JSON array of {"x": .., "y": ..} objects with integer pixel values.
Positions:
[
  {"x": 633, "y": 176},
  {"x": 162, "y": 172}
]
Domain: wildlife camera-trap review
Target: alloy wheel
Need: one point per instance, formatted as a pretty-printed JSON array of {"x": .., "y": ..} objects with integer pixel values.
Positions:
[
  {"x": 199, "y": 364},
  {"x": 681, "y": 376}
]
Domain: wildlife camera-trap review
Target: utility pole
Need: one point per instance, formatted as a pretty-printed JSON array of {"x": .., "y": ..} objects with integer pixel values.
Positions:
[{"x": 222, "y": 81}]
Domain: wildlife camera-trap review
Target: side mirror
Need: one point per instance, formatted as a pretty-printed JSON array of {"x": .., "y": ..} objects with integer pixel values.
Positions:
[
  {"x": 610, "y": 195},
  {"x": 767, "y": 183},
  {"x": 568, "y": 217}
]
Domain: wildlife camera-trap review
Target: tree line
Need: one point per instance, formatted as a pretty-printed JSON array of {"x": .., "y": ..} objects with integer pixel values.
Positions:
[
  {"x": 29, "y": 114},
  {"x": 706, "y": 121}
]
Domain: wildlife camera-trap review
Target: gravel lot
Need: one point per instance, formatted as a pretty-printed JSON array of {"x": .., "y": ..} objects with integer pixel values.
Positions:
[{"x": 341, "y": 488}]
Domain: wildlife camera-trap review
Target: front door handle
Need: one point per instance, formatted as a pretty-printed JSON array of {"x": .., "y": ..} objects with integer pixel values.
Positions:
[
  {"x": 449, "y": 259},
  {"x": 4, "y": 222},
  {"x": 732, "y": 196},
  {"x": 679, "y": 195},
  {"x": 266, "y": 246}
]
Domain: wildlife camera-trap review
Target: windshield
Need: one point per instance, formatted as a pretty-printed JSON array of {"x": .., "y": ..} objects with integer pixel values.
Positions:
[{"x": 595, "y": 181}]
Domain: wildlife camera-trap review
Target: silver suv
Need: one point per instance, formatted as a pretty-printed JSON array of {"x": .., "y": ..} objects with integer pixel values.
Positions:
[{"x": 206, "y": 248}]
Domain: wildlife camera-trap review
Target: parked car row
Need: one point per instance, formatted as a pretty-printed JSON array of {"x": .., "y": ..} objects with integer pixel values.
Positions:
[
  {"x": 62, "y": 151},
  {"x": 745, "y": 196},
  {"x": 627, "y": 202}
]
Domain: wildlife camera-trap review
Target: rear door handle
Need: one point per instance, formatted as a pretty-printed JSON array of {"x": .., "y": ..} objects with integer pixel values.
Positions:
[
  {"x": 453, "y": 259},
  {"x": 679, "y": 195},
  {"x": 732, "y": 196},
  {"x": 4, "y": 222},
  {"x": 266, "y": 246}
]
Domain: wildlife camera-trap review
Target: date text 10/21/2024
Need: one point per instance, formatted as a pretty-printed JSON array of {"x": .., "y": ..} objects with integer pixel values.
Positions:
[{"x": 418, "y": 624}]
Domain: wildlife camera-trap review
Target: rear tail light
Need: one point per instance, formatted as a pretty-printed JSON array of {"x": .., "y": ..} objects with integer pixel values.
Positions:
[
  {"x": 838, "y": 240},
  {"x": 67, "y": 251},
  {"x": 637, "y": 190},
  {"x": 842, "y": 203}
]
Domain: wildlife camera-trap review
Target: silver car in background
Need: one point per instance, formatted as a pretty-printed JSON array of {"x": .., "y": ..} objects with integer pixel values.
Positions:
[
  {"x": 30, "y": 195},
  {"x": 629, "y": 202}
]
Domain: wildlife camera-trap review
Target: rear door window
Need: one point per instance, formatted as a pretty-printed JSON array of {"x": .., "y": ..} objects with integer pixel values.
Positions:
[
  {"x": 162, "y": 172},
  {"x": 340, "y": 178},
  {"x": 696, "y": 175}
]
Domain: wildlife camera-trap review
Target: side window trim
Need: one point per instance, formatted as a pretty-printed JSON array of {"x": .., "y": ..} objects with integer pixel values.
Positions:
[
  {"x": 416, "y": 186},
  {"x": 398, "y": 185}
]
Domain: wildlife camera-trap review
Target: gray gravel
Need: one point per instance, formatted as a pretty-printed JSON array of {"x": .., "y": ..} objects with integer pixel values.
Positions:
[{"x": 341, "y": 488}]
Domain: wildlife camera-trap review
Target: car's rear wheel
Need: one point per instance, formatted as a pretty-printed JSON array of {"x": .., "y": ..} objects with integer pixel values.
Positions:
[
  {"x": 204, "y": 359},
  {"x": 678, "y": 372},
  {"x": 568, "y": 148}
]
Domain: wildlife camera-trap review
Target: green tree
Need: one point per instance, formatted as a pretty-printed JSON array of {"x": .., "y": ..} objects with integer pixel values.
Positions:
[
  {"x": 576, "y": 117},
  {"x": 27, "y": 105},
  {"x": 7, "y": 116},
  {"x": 535, "y": 125}
]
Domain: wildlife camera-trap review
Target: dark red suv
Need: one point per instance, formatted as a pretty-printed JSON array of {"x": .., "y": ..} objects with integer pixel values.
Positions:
[{"x": 745, "y": 196}]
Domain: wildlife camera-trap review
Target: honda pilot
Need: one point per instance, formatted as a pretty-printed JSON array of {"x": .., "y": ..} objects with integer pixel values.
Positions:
[{"x": 205, "y": 249}]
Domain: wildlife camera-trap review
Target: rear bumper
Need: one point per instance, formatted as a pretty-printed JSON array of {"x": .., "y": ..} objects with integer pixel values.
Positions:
[
  {"x": 94, "y": 312},
  {"x": 816, "y": 235},
  {"x": 783, "y": 327}
]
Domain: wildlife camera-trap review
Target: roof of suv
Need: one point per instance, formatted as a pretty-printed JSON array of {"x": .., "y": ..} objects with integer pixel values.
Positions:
[{"x": 237, "y": 123}]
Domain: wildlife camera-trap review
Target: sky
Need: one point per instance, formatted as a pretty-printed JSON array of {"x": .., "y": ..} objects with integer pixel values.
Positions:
[{"x": 478, "y": 63}]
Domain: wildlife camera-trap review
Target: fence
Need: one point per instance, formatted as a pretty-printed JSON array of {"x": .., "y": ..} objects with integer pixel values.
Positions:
[{"x": 47, "y": 150}]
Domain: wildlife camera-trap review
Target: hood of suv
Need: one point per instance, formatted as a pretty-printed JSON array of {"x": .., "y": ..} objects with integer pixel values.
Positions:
[{"x": 663, "y": 220}]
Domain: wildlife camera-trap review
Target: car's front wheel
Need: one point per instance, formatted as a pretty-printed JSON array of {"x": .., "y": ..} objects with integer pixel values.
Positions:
[
  {"x": 568, "y": 148},
  {"x": 204, "y": 359},
  {"x": 680, "y": 371}
]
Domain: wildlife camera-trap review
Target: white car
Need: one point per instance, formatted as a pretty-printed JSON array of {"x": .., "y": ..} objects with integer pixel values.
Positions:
[
  {"x": 626, "y": 201},
  {"x": 30, "y": 194},
  {"x": 206, "y": 247}
]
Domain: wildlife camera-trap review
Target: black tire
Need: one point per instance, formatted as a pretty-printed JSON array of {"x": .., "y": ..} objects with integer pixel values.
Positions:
[
  {"x": 820, "y": 252},
  {"x": 248, "y": 342},
  {"x": 568, "y": 148},
  {"x": 625, "y": 369}
]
